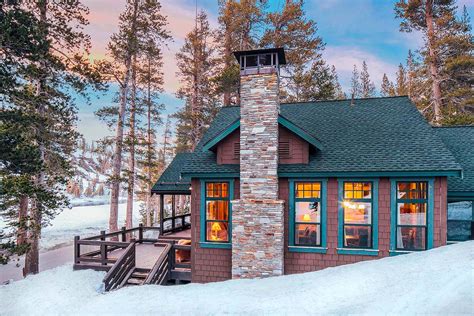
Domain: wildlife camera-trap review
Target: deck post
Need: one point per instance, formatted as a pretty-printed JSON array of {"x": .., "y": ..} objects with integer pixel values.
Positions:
[
  {"x": 77, "y": 251},
  {"x": 124, "y": 235},
  {"x": 103, "y": 255},
  {"x": 102, "y": 233},
  {"x": 140, "y": 232},
  {"x": 173, "y": 211},
  {"x": 162, "y": 214}
]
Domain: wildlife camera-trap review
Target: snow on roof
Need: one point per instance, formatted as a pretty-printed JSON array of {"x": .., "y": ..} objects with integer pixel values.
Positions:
[{"x": 435, "y": 281}]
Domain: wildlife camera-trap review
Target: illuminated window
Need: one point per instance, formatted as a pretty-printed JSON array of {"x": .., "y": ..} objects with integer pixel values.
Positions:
[
  {"x": 217, "y": 203},
  {"x": 357, "y": 214},
  {"x": 307, "y": 214},
  {"x": 412, "y": 206}
]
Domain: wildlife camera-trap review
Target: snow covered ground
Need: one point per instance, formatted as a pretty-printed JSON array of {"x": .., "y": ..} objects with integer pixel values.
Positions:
[
  {"x": 80, "y": 220},
  {"x": 438, "y": 281},
  {"x": 83, "y": 221}
]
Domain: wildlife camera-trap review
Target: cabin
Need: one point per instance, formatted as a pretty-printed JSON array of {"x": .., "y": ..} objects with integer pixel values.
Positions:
[{"x": 287, "y": 188}]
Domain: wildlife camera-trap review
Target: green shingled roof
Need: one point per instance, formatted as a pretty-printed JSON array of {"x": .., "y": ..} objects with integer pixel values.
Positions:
[
  {"x": 374, "y": 135},
  {"x": 460, "y": 140},
  {"x": 171, "y": 180}
]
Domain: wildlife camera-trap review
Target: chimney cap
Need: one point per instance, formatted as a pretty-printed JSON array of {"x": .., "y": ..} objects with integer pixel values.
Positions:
[{"x": 279, "y": 51}]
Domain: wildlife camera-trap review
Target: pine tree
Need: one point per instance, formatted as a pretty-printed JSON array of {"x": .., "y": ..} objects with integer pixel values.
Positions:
[
  {"x": 401, "y": 85},
  {"x": 457, "y": 72},
  {"x": 196, "y": 64},
  {"x": 356, "y": 89},
  {"x": 239, "y": 25},
  {"x": 444, "y": 74},
  {"x": 339, "y": 94},
  {"x": 320, "y": 83},
  {"x": 55, "y": 64},
  {"x": 366, "y": 85},
  {"x": 292, "y": 30},
  {"x": 167, "y": 149},
  {"x": 141, "y": 25},
  {"x": 387, "y": 89},
  {"x": 432, "y": 18},
  {"x": 122, "y": 47},
  {"x": 150, "y": 80},
  {"x": 411, "y": 72}
]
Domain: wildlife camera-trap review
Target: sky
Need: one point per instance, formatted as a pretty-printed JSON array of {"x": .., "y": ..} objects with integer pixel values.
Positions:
[{"x": 353, "y": 30}]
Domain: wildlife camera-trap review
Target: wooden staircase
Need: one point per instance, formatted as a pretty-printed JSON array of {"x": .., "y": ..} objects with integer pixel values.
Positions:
[{"x": 136, "y": 276}]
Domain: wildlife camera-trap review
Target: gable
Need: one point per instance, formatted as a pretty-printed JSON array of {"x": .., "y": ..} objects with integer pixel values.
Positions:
[
  {"x": 212, "y": 143},
  {"x": 292, "y": 148}
]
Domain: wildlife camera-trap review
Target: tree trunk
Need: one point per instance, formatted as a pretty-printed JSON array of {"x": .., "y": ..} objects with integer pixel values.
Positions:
[
  {"x": 35, "y": 216},
  {"x": 149, "y": 149},
  {"x": 227, "y": 60},
  {"x": 117, "y": 160},
  {"x": 34, "y": 231},
  {"x": 131, "y": 162},
  {"x": 22, "y": 221},
  {"x": 432, "y": 62}
]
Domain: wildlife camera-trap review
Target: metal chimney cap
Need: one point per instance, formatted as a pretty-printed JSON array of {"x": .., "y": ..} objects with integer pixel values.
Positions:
[{"x": 279, "y": 51}]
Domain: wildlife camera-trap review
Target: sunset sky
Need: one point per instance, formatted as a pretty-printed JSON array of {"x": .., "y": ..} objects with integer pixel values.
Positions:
[{"x": 353, "y": 30}]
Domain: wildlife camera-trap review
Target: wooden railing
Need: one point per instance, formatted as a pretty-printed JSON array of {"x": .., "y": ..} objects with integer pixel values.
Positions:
[
  {"x": 174, "y": 220},
  {"x": 160, "y": 273},
  {"x": 179, "y": 271},
  {"x": 99, "y": 259},
  {"x": 121, "y": 270}
]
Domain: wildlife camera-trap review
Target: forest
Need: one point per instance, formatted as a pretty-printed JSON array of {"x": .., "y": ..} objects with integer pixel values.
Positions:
[{"x": 45, "y": 61}]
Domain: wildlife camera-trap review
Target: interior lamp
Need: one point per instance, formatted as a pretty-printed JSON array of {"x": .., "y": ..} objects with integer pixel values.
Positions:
[
  {"x": 306, "y": 218},
  {"x": 215, "y": 228}
]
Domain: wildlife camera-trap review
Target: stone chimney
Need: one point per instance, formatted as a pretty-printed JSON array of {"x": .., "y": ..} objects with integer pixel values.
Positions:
[{"x": 257, "y": 217}]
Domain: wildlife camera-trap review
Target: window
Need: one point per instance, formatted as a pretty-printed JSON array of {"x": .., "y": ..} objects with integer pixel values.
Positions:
[
  {"x": 357, "y": 214},
  {"x": 411, "y": 215},
  {"x": 217, "y": 208},
  {"x": 307, "y": 214}
]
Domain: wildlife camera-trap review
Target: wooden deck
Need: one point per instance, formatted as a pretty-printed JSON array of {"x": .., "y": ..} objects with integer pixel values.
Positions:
[
  {"x": 148, "y": 253},
  {"x": 135, "y": 256}
]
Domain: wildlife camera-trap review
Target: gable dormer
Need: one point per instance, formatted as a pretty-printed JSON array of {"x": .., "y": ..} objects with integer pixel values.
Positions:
[{"x": 294, "y": 144}]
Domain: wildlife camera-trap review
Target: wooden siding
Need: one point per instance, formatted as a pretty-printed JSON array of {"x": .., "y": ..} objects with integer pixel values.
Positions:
[
  {"x": 298, "y": 148},
  {"x": 210, "y": 265}
]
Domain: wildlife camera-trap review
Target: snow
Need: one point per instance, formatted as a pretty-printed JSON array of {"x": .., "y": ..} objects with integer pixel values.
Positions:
[
  {"x": 83, "y": 221},
  {"x": 80, "y": 220},
  {"x": 438, "y": 281}
]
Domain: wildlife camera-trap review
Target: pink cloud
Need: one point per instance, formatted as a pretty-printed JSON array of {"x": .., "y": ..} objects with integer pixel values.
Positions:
[{"x": 104, "y": 17}]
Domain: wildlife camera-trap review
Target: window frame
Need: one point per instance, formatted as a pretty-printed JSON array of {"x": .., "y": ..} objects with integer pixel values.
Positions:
[
  {"x": 292, "y": 247},
  {"x": 369, "y": 251},
  {"x": 204, "y": 243},
  {"x": 394, "y": 250}
]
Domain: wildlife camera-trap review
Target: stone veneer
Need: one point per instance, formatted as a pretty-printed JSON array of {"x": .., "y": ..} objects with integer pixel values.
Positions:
[{"x": 257, "y": 217}]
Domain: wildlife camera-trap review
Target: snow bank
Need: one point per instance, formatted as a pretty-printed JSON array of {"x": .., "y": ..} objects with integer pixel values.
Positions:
[{"x": 438, "y": 281}]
